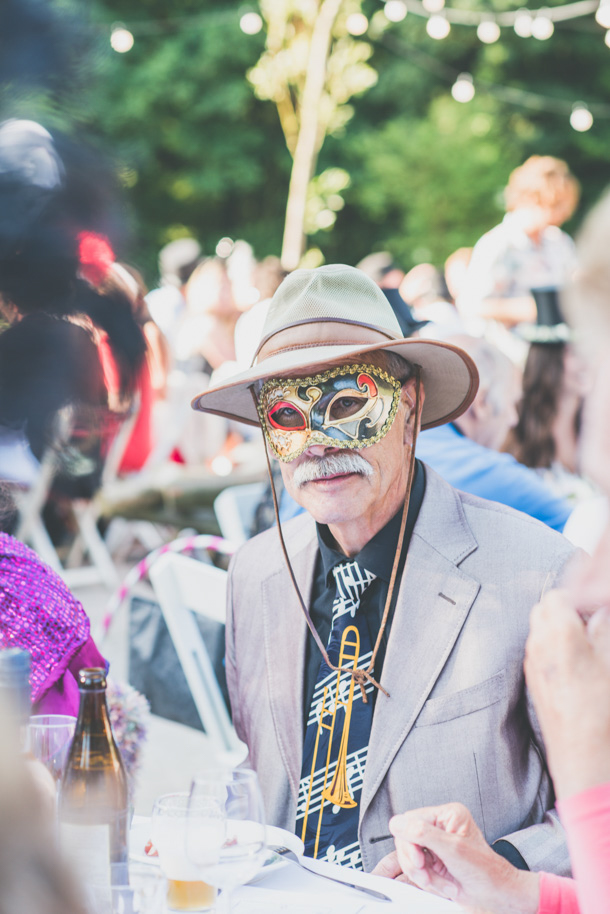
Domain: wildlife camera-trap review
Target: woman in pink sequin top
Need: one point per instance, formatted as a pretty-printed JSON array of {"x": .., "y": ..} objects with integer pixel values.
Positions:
[{"x": 40, "y": 615}]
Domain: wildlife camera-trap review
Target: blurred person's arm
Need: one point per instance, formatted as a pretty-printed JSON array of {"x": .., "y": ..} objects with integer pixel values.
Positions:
[
  {"x": 486, "y": 292},
  {"x": 568, "y": 673},
  {"x": 567, "y": 667},
  {"x": 508, "y": 311},
  {"x": 159, "y": 357}
]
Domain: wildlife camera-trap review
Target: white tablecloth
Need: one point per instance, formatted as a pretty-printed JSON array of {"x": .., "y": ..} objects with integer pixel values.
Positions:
[{"x": 289, "y": 889}]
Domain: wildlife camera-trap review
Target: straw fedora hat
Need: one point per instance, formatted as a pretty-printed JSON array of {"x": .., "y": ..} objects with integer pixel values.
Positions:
[{"x": 319, "y": 318}]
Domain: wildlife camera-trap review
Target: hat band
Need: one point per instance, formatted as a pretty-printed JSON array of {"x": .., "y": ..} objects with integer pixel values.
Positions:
[{"x": 316, "y": 332}]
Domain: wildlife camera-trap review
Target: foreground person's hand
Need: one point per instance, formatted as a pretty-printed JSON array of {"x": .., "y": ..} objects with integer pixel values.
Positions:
[
  {"x": 441, "y": 849},
  {"x": 567, "y": 667}
]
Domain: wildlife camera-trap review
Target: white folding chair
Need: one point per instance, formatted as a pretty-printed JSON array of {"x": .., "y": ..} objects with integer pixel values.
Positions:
[
  {"x": 234, "y": 509},
  {"x": 185, "y": 586}
]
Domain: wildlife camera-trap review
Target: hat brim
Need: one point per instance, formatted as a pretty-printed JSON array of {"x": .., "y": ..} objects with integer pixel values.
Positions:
[{"x": 449, "y": 376}]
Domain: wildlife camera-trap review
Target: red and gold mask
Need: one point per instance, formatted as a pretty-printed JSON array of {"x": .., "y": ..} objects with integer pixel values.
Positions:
[{"x": 352, "y": 406}]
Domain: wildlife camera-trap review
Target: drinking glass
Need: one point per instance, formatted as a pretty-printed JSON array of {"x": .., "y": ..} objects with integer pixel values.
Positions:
[
  {"x": 144, "y": 894},
  {"x": 226, "y": 838},
  {"x": 186, "y": 890},
  {"x": 49, "y": 740}
]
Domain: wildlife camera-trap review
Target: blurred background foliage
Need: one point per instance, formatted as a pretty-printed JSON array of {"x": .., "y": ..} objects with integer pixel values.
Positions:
[{"x": 198, "y": 152}]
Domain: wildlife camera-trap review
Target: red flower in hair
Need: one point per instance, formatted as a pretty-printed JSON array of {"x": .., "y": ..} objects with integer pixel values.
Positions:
[{"x": 95, "y": 256}]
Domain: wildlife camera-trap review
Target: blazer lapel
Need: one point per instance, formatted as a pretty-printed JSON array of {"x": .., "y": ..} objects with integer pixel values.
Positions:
[
  {"x": 285, "y": 635},
  {"x": 433, "y": 602}
]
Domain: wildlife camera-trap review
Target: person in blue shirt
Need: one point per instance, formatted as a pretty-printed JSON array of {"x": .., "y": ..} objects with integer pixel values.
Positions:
[{"x": 466, "y": 452}]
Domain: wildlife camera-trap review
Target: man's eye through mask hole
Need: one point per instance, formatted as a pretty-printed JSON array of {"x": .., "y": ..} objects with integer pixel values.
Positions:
[{"x": 352, "y": 406}]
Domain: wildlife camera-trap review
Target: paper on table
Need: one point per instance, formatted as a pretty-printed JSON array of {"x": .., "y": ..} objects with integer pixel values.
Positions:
[
  {"x": 254, "y": 900},
  {"x": 293, "y": 888}
]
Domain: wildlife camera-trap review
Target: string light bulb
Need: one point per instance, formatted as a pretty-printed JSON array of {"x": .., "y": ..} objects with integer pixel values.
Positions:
[
  {"x": 438, "y": 27},
  {"x": 581, "y": 118},
  {"x": 395, "y": 10},
  {"x": 251, "y": 23},
  {"x": 542, "y": 27},
  {"x": 463, "y": 88},
  {"x": 356, "y": 24},
  {"x": 607, "y": 39},
  {"x": 488, "y": 31},
  {"x": 121, "y": 39},
  {"x": 225, "y": 246},
  {"x": 523, "y": 24},
  {"x": 433, "y": 6},
  {"x": 602, "y": 15}
]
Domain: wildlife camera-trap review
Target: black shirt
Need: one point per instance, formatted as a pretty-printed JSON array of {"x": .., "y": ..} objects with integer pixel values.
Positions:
[{"x": 377, "y": 556}]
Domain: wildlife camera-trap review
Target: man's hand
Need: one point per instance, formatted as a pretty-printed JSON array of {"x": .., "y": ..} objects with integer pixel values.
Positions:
[
  {"x": 441, "y": 849},
  {"x": 567, "y": 667},
  {"x": 390, "y": 868}
]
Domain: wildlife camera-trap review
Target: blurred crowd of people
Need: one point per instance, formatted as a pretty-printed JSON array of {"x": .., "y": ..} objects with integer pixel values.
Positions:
[{"x": 82, "y": 331}]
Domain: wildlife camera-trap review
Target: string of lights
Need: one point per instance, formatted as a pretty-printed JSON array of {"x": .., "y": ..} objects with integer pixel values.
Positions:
[
  {"x": 463, "y": 88},
  {"x": 124, "y": 34},
  {"x": 536, "y": 23},
  {"x": 474, "y": 17},
  {"x": 527, "y": 23}
]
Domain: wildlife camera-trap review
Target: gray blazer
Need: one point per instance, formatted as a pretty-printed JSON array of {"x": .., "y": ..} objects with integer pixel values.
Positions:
[{"x": 458, "y": 724}]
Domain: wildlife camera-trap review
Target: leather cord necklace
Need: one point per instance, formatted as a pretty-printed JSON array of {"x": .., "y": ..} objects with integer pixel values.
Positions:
[{"x": 360, "y": 676}]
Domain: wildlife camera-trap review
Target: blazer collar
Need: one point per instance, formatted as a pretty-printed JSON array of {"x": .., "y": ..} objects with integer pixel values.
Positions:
[{"x": 434, "y": 600}]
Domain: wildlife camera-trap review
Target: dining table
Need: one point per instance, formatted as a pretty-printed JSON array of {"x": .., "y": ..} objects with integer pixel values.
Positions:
[{"x": 290, "y": 888}]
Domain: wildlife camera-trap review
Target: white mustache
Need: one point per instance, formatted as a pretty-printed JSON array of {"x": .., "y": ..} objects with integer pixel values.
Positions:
[{"x": 332, "y": 465}]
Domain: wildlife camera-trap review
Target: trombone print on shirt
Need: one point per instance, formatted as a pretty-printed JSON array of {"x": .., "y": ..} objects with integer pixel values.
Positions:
[{"x": 338, "y": 732}]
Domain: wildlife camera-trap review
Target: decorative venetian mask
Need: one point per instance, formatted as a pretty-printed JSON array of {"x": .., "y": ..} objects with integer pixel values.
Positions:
[{"x": 352, "y": 406}]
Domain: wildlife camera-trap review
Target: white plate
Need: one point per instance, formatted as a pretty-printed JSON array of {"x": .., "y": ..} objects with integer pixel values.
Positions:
[{"x": 140, "y": 832}]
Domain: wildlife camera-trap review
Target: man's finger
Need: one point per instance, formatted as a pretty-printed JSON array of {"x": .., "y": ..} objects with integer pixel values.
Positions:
[{"x": 388, "y": 866}]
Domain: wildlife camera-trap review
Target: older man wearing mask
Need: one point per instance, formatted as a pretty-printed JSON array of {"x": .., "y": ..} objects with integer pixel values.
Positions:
[{"x": 375, "y": 647}]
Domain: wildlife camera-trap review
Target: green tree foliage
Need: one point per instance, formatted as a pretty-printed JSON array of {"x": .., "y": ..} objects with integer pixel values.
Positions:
[
  {"x": 199, "y": 151},
  {"x": 427, "y": 172}
]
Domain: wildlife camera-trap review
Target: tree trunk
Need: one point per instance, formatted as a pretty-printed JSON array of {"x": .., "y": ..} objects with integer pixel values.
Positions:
[{"x": 306, "y": 151}]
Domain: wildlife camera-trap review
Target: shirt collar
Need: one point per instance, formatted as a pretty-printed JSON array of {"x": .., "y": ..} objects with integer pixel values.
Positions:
[{"x": 377, "y": 556}]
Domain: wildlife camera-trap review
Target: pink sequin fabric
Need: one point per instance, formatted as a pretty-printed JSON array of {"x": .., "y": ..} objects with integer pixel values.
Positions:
[{"x": 38, "y": 614}]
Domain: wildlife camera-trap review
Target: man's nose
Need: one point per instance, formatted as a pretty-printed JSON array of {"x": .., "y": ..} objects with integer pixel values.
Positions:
[{"x": 321, "y": 450}]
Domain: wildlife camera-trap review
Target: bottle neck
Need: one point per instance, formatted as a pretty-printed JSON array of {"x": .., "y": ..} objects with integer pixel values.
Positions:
[{"x": 93, "y": 712}]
